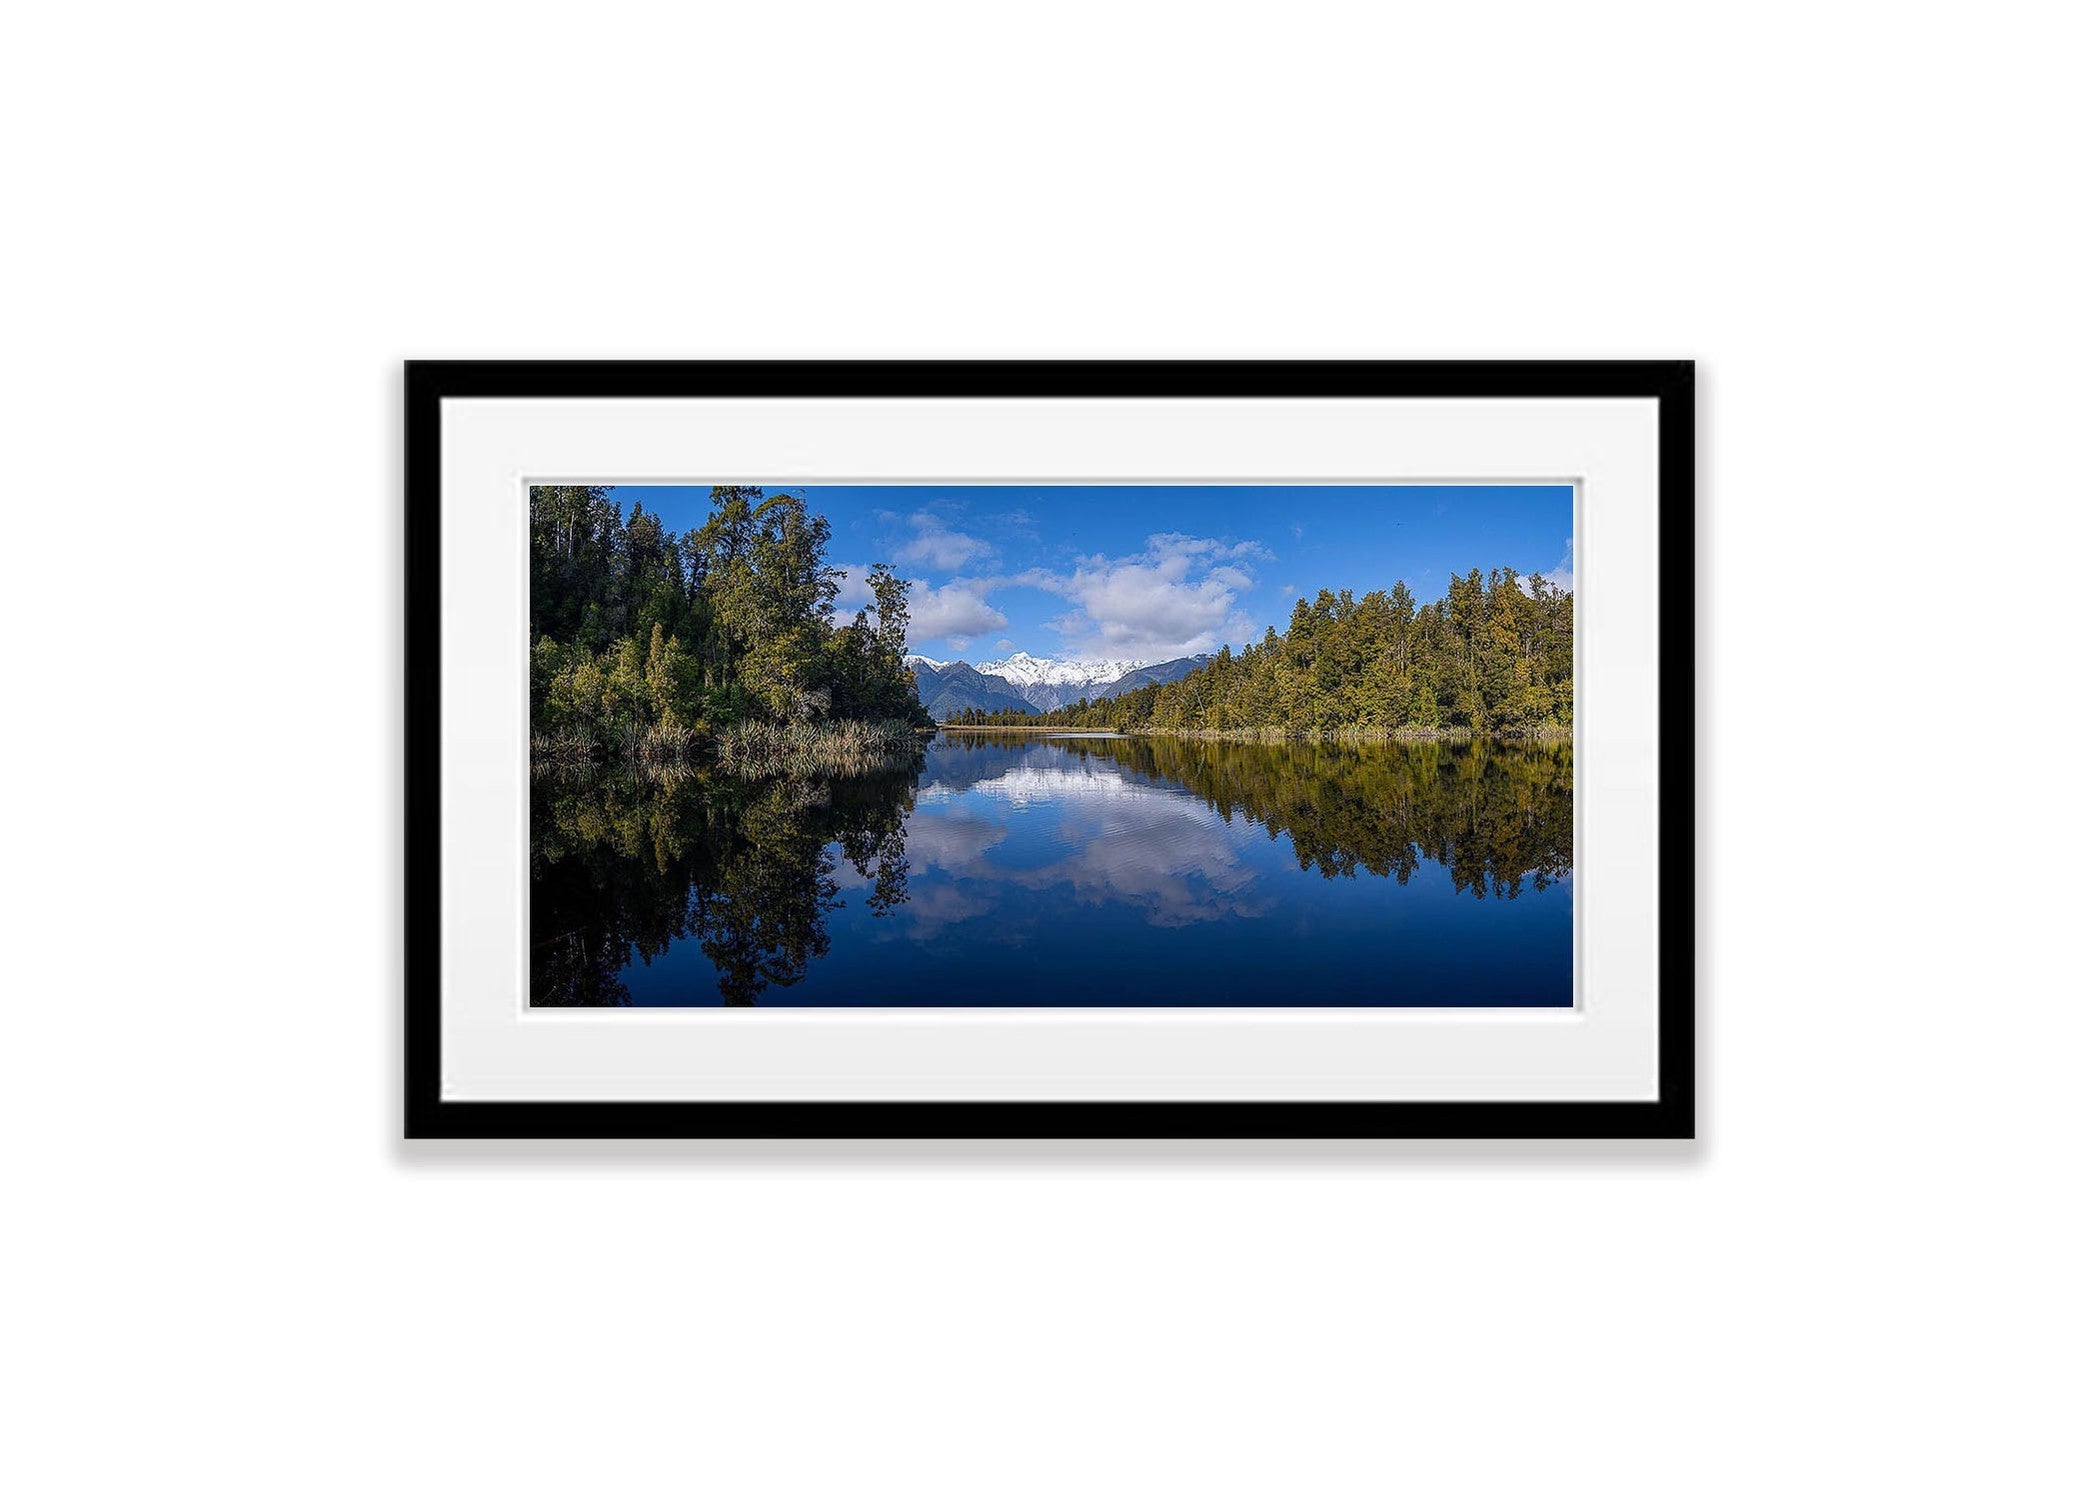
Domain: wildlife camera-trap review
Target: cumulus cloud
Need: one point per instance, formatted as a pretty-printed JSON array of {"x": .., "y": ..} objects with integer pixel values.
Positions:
[
  {"x": 1563, "y": 575},
  {"x": 853, "y": 592},
  {"x": 1205, "y": 548},
  {"x": 937, "y": 545},
  {"x": 1176, "y": 598},
  {"x": 956, "y": 612},
  {"x": 852, "y": 583}
]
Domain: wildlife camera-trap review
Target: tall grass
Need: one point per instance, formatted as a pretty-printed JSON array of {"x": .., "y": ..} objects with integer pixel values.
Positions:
[
  {"x": 566, "y": 753},
  {"x": 653, "y": 751},
  {"x": 843, "y": 747},
  {"x": 661, "y": 748}
]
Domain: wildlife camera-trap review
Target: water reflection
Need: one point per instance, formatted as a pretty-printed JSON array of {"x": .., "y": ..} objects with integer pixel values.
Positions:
[
  {"x": 625, "y": 867},
  {"x": 1068, "y": 870},
  {"x": 1119, "y": 839},
  {"x": 1496, "y": 817}
]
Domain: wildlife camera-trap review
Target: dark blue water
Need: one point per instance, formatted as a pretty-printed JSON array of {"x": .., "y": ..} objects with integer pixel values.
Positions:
[{"x": 1010, "y": 870}]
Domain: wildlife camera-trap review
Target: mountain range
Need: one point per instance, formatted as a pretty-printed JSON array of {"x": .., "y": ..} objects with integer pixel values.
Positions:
[{"x": 1022, "y": 683}]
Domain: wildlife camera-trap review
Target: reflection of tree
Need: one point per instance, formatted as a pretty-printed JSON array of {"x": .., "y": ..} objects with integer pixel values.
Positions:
[
  {"x": 624, "y": 865},
  {"x": 1498, "y": 816}
]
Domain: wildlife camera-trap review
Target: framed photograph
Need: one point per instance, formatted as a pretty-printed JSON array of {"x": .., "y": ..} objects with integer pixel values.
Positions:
[{"x": 1049, "y": 749}]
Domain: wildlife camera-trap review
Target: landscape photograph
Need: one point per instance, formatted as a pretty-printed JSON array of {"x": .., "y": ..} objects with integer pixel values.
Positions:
[{"x": 1068, "y": 745}]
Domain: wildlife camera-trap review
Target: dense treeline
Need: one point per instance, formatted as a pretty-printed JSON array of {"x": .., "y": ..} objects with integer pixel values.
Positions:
[
  {"x": 650, "y": 642},
  {"x": 1493, "y": 656}
]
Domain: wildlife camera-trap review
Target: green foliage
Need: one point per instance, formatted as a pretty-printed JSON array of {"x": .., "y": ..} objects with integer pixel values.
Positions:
[
  {"x": 1494, "y": 656},
  {"x": 865, "y": 657},
  {"x": 642, "y": 637}
]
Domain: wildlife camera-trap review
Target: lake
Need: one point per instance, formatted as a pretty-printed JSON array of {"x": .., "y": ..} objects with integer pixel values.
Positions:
[{"x": 1069, "y": 870}]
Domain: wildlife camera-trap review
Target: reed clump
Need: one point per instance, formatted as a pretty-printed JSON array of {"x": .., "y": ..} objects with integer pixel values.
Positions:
[
  {"x": 840, "y": 748},
  {"x": 661, "y": 748},
  {"x": 657, "y": 751},
  {"x": 565, "y": 753}
]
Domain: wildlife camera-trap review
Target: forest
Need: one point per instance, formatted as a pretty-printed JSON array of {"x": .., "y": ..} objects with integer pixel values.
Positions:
[
  {"x": 653, "y": 648},
  {"x": 1494, "y": 656}
]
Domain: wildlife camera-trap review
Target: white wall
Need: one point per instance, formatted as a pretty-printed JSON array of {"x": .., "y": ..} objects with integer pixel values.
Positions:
[{"x": 227, "y": 225}]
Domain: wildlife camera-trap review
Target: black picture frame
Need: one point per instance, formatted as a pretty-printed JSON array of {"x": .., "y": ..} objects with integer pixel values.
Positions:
[{"x": 1670, "y": 1115}]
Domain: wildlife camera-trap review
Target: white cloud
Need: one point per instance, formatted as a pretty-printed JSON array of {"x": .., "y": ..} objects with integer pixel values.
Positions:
[
  {"x": 1204, "y": 548},
  {"x": 1563, "y": 575},
  {"x": 955, "y": 612},
  {"x": 852, "y": 592},
  {"x": 852, "y": 584},
  {"x": 1178, "y": 597},
  {"x": 938, "y": 546}
]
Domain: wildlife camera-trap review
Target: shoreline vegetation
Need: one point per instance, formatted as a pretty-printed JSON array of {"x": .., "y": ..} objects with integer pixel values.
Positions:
[
  {"x": 749, "y": 750},
  {"x": 845, "y": 749}
]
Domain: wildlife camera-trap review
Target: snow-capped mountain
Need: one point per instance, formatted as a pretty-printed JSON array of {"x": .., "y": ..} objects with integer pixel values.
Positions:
[
  {"x": 1033, "y": 684},
  {"x": 1024, "y": 670},
  {"x": 947, "y": 687}
]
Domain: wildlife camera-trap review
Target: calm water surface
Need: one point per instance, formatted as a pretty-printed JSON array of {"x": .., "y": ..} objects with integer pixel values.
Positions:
[{"x": 1070, "y": 870}]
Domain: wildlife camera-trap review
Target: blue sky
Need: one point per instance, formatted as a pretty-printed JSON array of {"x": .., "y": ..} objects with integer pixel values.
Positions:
[{"x": 1149, "y": 572}]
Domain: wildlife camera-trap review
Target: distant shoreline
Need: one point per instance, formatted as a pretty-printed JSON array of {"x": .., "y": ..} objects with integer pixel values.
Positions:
[{"x": 1557, "y": 734}]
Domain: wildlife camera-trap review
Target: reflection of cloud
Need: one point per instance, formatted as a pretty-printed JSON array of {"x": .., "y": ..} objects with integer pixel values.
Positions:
[
  {"x": 1029, "y": 785},
  {"x": 950, "y": 841},
  {"x": 954, "y": 844},
  {"x": 934, "y": 908},
  {"x": 1154, "y": 862},
  {"x": 1121, "y": 841}
]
